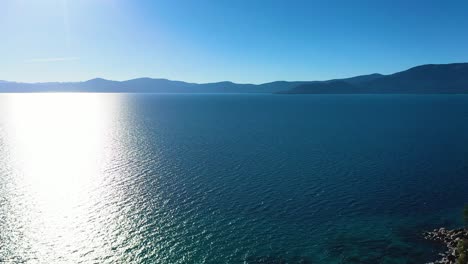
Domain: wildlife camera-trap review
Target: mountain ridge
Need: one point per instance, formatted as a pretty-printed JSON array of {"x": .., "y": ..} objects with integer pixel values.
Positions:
[
  {"x": 428, "y": 78},
  {"x": 423, "y": 79}
]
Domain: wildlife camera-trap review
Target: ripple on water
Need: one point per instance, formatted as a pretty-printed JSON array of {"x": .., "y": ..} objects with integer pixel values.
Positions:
[{"x": 279, "y": 180}]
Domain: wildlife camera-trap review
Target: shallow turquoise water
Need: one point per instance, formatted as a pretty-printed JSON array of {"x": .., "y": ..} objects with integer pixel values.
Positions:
[{"x": 112, "y": 178}]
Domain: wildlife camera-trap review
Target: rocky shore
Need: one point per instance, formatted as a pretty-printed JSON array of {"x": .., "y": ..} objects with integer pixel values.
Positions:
[{"x": 450, "y": 238}]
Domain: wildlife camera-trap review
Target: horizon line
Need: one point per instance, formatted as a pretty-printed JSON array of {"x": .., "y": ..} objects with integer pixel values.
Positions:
[{"x": 172, "y": 80}]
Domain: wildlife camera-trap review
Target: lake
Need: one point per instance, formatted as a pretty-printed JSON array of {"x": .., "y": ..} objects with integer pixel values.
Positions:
[{"x": 161, "y": 178}]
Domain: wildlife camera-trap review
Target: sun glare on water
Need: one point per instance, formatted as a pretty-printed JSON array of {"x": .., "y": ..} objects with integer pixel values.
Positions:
[
  {"x": 57, "y": 139},
  {"x": 57, "y": 147}
]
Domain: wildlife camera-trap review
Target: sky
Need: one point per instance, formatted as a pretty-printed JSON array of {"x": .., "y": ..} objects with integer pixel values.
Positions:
[{"x": 245, "y": 41}]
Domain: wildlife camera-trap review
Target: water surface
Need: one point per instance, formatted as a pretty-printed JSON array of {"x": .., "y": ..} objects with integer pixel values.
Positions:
[{"x": 112, "y": 178}]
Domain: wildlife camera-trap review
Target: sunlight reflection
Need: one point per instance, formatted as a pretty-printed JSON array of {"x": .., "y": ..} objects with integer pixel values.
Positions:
[
  {"x": 58, "y": 144},
  {"x": 58, "y": 139}
]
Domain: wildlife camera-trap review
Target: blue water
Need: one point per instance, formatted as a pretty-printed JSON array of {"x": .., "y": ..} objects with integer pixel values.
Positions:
[{"x": 229, "y": 178}]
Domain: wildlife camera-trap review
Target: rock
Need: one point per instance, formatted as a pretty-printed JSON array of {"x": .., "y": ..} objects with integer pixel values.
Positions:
[
  {"x": 450, "y": 238},
  {"x": 451, "y": 258}
]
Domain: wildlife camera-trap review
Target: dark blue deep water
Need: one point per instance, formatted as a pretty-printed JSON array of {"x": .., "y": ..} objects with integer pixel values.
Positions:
[{"x": 114, "y": 178}]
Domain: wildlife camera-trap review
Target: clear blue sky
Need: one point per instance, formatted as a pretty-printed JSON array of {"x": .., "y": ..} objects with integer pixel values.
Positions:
[{"x": 239, "y": 40}]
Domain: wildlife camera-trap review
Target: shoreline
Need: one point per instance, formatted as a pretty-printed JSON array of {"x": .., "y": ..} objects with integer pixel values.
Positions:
[{"x": 450, "y": 239}]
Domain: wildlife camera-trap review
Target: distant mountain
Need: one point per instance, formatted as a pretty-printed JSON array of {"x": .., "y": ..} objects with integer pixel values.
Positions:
[
  {"x": 432, "y": 78},
  {"x": 146, "y": 85},
  {"x": 441, "y": 78},
  {"x": 360, "y": 79}
]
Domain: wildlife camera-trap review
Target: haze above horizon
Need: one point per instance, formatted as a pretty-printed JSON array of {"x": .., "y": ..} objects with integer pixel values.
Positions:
[{"x": 240, "y": 41}]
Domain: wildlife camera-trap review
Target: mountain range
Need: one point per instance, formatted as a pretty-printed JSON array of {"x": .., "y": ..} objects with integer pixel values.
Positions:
[{"x": 431, "y": 78}]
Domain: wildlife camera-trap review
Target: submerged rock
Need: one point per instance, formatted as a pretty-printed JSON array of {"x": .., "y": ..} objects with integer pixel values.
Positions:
[{"x": 450, "y": 238}]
